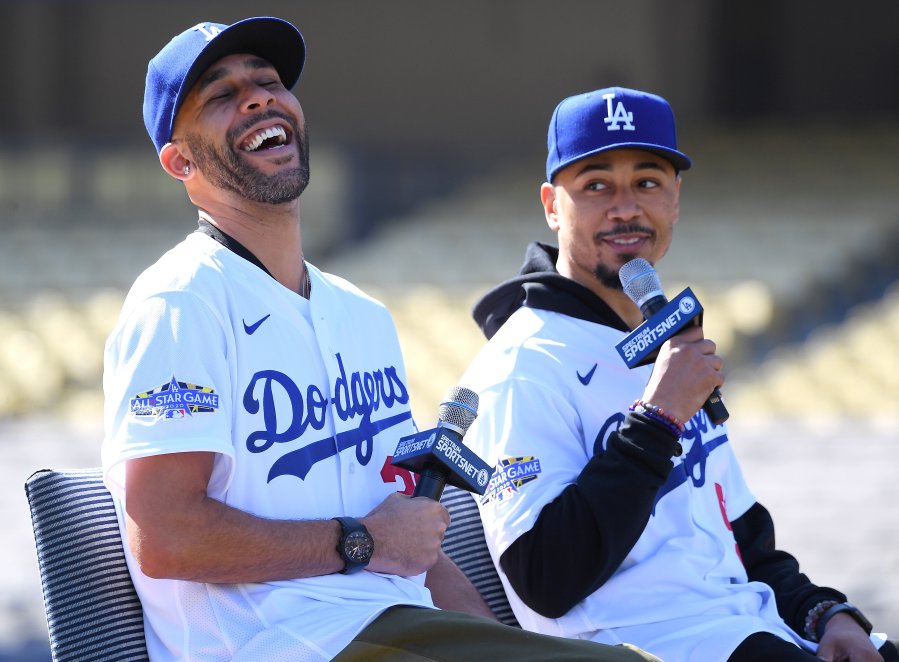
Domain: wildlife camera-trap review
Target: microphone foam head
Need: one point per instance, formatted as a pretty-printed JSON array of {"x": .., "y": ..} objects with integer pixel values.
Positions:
[
  {"x": 459, "y": 408},
  {"x": 639, "y": 280}
]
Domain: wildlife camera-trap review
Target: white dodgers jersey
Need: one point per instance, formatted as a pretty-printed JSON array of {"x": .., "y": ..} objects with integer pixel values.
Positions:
[
  {"x": 301, "y": 401},
  {"x": 552, "y": 390}
]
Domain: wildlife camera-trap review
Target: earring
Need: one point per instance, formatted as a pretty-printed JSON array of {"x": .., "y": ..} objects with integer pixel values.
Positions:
[{"x": 187, "y": 170}]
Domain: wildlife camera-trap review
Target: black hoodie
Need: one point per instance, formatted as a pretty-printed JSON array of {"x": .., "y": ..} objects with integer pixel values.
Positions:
[
  {"x": 539, "y": 285},
  {"x": 581, "y": 537}
]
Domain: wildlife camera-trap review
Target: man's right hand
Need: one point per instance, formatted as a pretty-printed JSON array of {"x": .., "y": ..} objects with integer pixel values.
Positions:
[
  {"x": 407, "y": 534},
  {"x": 686, "y": 372}
]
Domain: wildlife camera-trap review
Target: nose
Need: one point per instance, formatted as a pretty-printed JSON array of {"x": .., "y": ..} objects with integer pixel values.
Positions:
[
  {"x": 624, "y": 205},
  {"x": 257, "y": 98}
]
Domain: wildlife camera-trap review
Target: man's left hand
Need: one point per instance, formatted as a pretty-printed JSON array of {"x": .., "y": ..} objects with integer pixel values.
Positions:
[{"x": 845, "y": 641}]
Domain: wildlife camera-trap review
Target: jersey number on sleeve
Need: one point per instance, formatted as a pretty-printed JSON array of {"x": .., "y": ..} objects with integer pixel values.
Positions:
[{"x": 390, "y": 474}]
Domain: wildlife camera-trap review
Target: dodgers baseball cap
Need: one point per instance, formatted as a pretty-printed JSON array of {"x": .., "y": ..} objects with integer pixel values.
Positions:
[
  {"x": 173, "y": 71},
  {"x": 611, "y": 118}
]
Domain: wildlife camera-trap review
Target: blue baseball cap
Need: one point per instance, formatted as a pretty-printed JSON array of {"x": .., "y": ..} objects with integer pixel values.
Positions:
[
  {"x": 175, "y": 69},
  {"x": 611, "y": 118}
]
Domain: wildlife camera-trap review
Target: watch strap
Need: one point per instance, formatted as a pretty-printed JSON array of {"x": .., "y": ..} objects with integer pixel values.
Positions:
[{"x": 842, "y": 607}]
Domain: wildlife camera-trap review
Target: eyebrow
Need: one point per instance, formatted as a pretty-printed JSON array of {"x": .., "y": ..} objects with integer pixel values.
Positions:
[{"x": 251, "y": 62}]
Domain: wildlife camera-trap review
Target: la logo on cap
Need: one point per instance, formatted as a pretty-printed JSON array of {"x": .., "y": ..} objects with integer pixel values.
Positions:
[
  {"x": 209, "y": 31},
  {"x": 619, "y": 114}
]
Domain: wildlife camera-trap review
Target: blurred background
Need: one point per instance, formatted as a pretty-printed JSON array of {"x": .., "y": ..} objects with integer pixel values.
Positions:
[{"x": 427, "y": 124}]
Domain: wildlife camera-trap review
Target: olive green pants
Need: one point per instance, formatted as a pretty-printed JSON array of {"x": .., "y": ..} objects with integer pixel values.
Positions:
[{"x": 414, "y": 634}]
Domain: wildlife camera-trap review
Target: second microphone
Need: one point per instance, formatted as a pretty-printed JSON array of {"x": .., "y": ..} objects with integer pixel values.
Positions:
[{"x": 438, "y": 455}]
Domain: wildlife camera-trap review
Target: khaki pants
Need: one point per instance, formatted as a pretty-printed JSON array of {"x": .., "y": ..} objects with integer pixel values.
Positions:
[{"x": 410, "y": 634}]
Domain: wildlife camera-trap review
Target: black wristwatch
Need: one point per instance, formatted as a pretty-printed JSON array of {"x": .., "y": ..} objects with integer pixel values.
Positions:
[
  {"x": 848, "y": 608},
  {"x": 355, "y": 545}
]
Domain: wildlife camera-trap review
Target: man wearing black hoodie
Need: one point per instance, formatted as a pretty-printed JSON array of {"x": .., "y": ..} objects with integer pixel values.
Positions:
[{"x": 618, "y": 511}]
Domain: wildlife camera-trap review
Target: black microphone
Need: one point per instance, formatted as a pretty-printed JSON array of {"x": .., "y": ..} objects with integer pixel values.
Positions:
[
  {"x": 642, "y": 286},
  {"x": 438, "y": 455}
]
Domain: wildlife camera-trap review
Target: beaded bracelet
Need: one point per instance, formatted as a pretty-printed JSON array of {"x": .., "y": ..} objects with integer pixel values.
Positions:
[
  {"x": 659, "y": 415},
  {"x": 811, "y": 619}
]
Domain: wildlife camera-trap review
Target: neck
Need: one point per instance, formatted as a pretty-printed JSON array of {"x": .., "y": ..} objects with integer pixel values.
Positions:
[
  {"x": 615, "y": 299},
  {"x": 270, "y": 233},
  {"x": 619, "y": 302}
]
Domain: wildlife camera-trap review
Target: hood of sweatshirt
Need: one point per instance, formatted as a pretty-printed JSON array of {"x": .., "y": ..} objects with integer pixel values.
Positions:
[{"x": 539, "y": 285}]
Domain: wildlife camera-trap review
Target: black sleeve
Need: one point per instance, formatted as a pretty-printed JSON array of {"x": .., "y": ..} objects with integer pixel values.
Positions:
[
  {"x": 582, "y": 536},
  {"x": 794, "y": 592}
]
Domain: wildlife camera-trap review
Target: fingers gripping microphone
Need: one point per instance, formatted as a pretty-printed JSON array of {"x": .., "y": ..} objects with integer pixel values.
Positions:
[
  {"x": 438, "y": 455},
  {"x": 642, "y": 285}
]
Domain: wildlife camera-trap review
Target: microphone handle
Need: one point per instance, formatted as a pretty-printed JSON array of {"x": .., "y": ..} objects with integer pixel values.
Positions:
[
  {"x": 715, "y": 409},
  {"x": 431, "y": 481},
  {"x": 714, "y": 405}
]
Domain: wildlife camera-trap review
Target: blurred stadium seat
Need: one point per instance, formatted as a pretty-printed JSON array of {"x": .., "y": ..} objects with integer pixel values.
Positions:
[{"x": 790, "y": 258}]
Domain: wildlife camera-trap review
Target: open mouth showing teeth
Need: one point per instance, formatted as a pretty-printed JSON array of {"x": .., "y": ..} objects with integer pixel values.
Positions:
[
  {"x": 266, "y": 139},
  {"x": 625, "y": 241}
]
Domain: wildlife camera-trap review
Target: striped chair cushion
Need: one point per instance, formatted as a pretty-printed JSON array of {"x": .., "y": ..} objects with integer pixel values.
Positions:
[
  {"x": 464, "y": 543},
  {"x": 93, "y": 612}
]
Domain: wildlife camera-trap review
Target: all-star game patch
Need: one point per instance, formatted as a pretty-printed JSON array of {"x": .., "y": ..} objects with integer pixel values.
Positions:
[
  {"x": 175, "y": 399},
  {"x": 511, "y": 473}
]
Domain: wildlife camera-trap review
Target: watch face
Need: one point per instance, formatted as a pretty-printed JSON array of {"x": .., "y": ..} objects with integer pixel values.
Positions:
[{"x": 358, "y": 547}]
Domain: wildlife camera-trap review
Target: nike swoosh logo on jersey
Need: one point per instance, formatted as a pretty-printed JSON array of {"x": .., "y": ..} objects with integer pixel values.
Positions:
[
  {"x": 585, "y": 379},
  {"x": 251, "y": 328}
]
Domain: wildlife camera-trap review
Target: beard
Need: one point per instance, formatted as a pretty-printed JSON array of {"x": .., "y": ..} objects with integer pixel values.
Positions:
[
  {"x": 608, "y": 277},
  {"x": 226, "y": 169}
]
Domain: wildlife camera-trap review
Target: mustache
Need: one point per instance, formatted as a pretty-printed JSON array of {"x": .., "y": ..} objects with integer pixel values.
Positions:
[
  {"x": 268, "y": 114},
  {"x": 630, "y": 228}
]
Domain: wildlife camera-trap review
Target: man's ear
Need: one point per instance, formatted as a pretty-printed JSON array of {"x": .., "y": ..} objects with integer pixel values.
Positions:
[
  {"x": 175, "y": 163},
  {"x": 677, "y": 200},
  {"x": 550, "y": 204}
]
